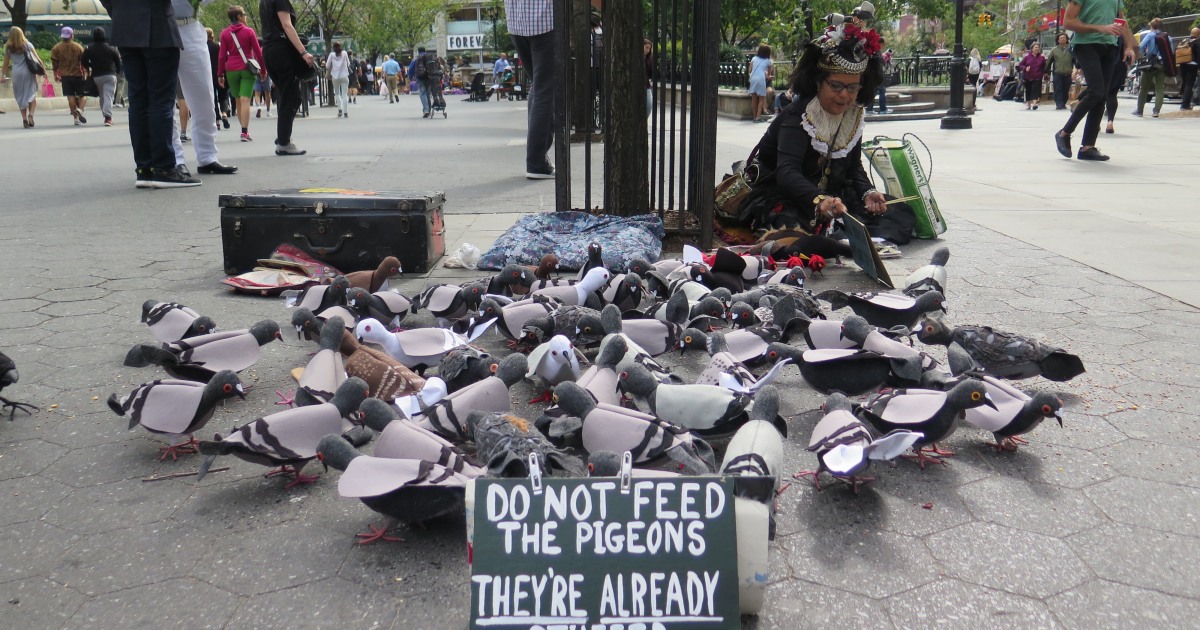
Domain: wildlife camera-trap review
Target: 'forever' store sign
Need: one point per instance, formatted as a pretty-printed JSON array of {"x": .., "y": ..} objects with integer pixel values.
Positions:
[{"x": 583, "y": 554}]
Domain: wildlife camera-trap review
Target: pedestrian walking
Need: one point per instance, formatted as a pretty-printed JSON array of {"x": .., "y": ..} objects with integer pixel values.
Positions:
[
  {"x": 1156, "y": 63},
  {"x": 531, "y": 26},
  {"x": 391, "y": 78},
  {"x": 196, "y": 84},
  {"x": 65, "y": 59},
  {"x": 239, "y": 48},
  {"x": 355, "y": 78},
  {"x": 102, "y": 62},
  {"x": 974, "y": 68},
  {"x": 1187, "y": 70},
  {"x": 1033, "y": 69},
  {"x": 287, "y": 61},
  {"x": 762, "y": 72},
  {"x": 145, "y": 33},
  {"x": 1097, "y": 25},
  {"x": 1060, "y": 65},
  {"x": 338, "y": 65},
  {"x": 220, "y": 90},
  {"x": 15, "y": 68}
]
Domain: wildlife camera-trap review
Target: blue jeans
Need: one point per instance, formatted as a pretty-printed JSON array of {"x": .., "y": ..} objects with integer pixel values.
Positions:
[
  {"x": 151, "y": 75},
  {"x": 537, "y": 53},
  {"x": 423, "y": 91}
]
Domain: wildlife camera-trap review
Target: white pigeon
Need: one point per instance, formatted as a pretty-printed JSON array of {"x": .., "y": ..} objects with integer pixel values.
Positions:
[
  {"x": 418, "y": 348},
  {"x": 414, "y": 404},
  {"x": 554, "y": 362},
  {"x": 577, "y": 294}
]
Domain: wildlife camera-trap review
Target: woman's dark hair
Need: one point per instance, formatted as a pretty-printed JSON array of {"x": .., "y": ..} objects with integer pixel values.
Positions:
[
  {"x": 99, "y": 36},
  {"x": 235, "y": 12},
  {"x": 337, "y": 47},
  {"x": 764, "y": 51},
  {"x": 807, "y": 76}
]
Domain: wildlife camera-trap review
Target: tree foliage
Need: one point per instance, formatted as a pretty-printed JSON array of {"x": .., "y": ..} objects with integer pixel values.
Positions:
[
  {"x": 1140, "y": 12},
  {"x": 216, "y": 15},
  {"x": 415, "y": 23}
]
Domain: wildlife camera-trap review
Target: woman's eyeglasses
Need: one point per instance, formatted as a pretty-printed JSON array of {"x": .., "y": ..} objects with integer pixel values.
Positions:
[{"x": 838, "y": 86}]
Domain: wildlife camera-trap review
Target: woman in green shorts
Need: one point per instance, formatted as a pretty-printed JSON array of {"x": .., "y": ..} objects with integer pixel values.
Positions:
[{"x": 239, "y": 45}]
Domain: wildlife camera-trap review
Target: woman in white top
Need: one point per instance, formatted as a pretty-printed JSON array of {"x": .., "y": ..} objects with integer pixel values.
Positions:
[{"x": 338, "y": 65}]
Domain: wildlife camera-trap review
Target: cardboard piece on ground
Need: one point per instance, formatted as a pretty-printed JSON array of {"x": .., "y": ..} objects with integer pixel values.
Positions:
[{"x": 866, "y": 256}]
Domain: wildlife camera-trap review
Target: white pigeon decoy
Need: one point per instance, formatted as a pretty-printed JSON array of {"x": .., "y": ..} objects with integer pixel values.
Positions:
[
  {"x": 554, "y": 362},
  {"x": 931, "y": 277},
  {"x": 577, "y": 294},
  {"x": 417, "y": 349}
]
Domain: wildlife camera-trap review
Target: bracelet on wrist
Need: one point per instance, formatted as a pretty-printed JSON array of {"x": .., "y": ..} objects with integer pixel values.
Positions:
[{"x": 868, "y": 194}]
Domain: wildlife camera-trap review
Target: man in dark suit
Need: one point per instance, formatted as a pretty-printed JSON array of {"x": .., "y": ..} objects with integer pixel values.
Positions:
[{"x": 145, "y": 33}]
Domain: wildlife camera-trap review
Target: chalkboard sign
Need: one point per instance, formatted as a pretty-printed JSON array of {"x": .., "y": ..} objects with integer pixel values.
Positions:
[
  {"x": 863, "y": 249},
  {"x": 582, "y": 554}
]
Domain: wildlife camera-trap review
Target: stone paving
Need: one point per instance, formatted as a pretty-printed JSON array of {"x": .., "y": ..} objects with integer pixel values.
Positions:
[{"x": 1090, "y": 526}]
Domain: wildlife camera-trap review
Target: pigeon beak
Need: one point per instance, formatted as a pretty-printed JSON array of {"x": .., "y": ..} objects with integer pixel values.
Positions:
[
  {"x": 241, "y": 391},
  {"x": 321, "y": 458},
  {"x": 279, "y": 335},
  {"x": 299, "y": 333},
  {"x": 944, "y": 307},
  {"x": 1058, "y": 416},
  {"x": 987, "y": 400},
  {"x": 916, "y": 329}
]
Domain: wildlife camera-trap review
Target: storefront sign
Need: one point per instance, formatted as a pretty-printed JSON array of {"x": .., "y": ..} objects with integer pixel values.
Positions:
[{"x": 464, "y": 42}]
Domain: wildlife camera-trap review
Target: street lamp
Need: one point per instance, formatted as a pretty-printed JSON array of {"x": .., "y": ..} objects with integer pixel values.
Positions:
[{"x": 956, "y": 116}]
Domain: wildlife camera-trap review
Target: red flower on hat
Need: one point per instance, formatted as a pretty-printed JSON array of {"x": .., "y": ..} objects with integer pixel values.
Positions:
[{"x": 868, "y": 37}]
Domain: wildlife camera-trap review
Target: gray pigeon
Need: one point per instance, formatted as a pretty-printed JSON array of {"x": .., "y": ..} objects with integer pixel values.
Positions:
[
  {"x": 402, "y": 490},
  {"x": 505, "y": 442},
  {"x": 465, "y": 365},
  {"x": 845, "y": 447},
  {"x": 199, "y": 358},
  {"x": 886, "y": 310},
  {"x": 709, "y": 411},
  {"x": 651, "y": 441},
  {"x": 1015, "y": 414},
  {"x": 288, "y": 438},
  {"x": 9, "y": 376},
  {"x": 176, "y": 408},
  {"x": 403, "y": 439},
  {"x": 389, "y": 307},
  {"x": 908, "y": 364},
  {"x": 1004, "y": 354},
  {"x": 169, "y": 321},
  {"x": 326, "y": 370},
  {"x": 933, "y": 414},
  {"x": 318, "y": 297},
  {"x": 448, "y": 416}
]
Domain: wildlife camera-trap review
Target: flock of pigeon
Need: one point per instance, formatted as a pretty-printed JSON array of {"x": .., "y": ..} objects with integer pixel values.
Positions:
[{"x": 745, "y": 319}]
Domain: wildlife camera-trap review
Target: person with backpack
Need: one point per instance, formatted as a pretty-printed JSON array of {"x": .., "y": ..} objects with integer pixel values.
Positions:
[
  {"x": 974, "y": 68},
  {"x": 427, "y": 70},
  {"x": 1157, "y": 62},
  {"x": 1187, "y": 54},
  {"x": 420, "y": 73}
]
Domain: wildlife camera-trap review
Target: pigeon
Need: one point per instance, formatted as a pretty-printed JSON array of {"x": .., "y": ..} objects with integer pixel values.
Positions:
[
  {"x": 318, "y": 297},
  {"x": 726, "y": 371},
  {"x": 416, "y": 403},
  {"x": 626, "y": 291},
  {"x": 845, "y": 447},
  {"x": 908, "y": 364},
  {"x": 748, "y": 346},
  {"x": 386, "y": 377},
  {"x": 886, "y": 310},
  {"x": 448, "y": 416},
  {"x": 850, "y": 370},
  {"x": 403, "y": 439},
  {"x": 176, "y": 408},
  {"x": 609, "y": 464},
  {"x": 288, "y": 438},
  {"x": 553, "y": 362},
  {"x": 594, "y": 260},
  {"x": 199, "y": 358},
  {"x": 326, "y": 370},
  {"x": 711, "y": 412},
  {"x": 509, "y": 319},
  {"x": 793, "y": 276},
  {"x": 169, "y": 321},
  {"x": 446, "y": 302},
  {"x": 563, "y": 320},
  {"x": 386, "y": 306},
  {"x": 579, "y": 293},
  {"x": 546, "y": 267},
  {"x": 653, "y": 336},
  {"x": 931, "y": 277},
  {"x": 787, "y": 318},
  {"x": 752, "y": 459},
  {"x": 599, "y": 381},
  {"x": 1004, "y": 354},
  {"x": 505, "y": 443},
  {"x": 308, "y": 326},
  {"x": 742, "y": 315},
  {"x": 9, "y": 376},
  {"x": 402, "y": 490},
  {"x": 512, "y": 280},
  {"x": 464, "y": 365},
  {"x": 651, "y": 441},
  {"x": 933, "y": 414},
  {"x": 1015, "y": 414},
  {"x": 375, "y": 280},
  {"x": 417, "y": 349}
]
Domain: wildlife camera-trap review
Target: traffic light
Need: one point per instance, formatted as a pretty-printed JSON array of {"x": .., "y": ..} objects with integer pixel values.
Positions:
[{"x": 985, "y": 19}]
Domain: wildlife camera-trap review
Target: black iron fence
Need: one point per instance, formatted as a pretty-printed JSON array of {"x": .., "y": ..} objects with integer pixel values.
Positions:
[{"x": 918, "y": 70}]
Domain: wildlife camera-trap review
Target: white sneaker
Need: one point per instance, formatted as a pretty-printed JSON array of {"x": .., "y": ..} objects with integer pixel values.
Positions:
[{"x": 289, "y": 149}]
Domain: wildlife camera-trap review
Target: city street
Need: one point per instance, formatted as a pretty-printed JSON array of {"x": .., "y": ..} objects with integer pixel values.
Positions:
[{"x": 1093, "y": 525}]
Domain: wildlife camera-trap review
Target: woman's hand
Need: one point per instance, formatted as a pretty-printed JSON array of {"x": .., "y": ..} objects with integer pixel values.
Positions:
[
  {"x": 832, "y": 207},
  {"x": 221, "y": 81},
  {"x": 876, "y": 203}
]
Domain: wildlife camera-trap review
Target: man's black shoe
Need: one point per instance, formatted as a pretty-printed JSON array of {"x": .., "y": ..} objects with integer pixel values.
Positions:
[
  {"x": 1093, "y": 154},
  {"x": 172, "y": 178},
  {"x": 1063, "y": 142},
  {"x": 216, "y": 168}
]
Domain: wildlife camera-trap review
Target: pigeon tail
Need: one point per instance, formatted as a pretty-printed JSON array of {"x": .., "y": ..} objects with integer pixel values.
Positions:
[
  {"x": 114, "y": 403},
  {"x": 144, "y": 354},
  {"x": 1061, "y": 366},
  {"x": 205, "y": 464},
  {"x": 837, "y": 300},
  {"x": 213, "y": 448}
]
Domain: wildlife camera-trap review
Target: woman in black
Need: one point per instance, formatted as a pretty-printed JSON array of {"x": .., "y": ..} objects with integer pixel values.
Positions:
[
  {"x": 287, "y": 61},
  {"x": 103, "y": 63},
  {"x": 811, "y": 154}
]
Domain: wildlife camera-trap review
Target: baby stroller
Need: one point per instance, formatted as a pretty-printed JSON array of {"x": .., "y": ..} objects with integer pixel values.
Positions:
[{"x": 479, "y": 93}]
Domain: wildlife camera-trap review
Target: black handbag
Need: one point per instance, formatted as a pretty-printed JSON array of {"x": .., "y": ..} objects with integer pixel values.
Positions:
[
  {"x": 90, "y": 88},
  {"x": 34, "y": 62}
]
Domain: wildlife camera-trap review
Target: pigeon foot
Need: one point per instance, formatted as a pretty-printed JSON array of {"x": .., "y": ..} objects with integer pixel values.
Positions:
[
  {"x": 299, "y": 479},
  {"x": 923, "y": 457},
  {"x": 26, "y": 407},
  {"x": 376, "y": 534},
  {"x": 546, "y": 396},
  {"x": 1009, "y": 444},
  {"x": 286, "y": 399},
  {"x": 186, "y": 447},
  {"x": 812, "y": 475},
  {"x": 940, "y": 452},
  {"x": 858, "y": 482}
]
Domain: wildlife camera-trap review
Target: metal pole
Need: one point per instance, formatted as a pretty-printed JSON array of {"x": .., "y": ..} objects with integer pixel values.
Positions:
[
  {"x": 562, "y": 113},
  {"x": 956, "y": 116}
]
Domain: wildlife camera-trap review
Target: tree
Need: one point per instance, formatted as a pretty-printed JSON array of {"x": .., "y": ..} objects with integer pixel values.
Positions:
[
  {"x": 742, "y": 21},
  {"x": 216, "y": 15},
  {"x": 416, "y": 20},
  {"x": 1140, "y": 12},
  {"x": 373, "y": 25},
  {"x": 16, "y": 10},
  {"x": 321, "y": 16}
]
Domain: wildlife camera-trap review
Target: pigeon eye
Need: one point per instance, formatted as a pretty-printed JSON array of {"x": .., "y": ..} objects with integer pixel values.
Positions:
[
  {"x": 1046, "y": 410},
  {"x": 493, "y": 368},
  {"x": 367, "y": 328},
  {"x": 929, "y": 329},
  {"x": 624, "y": 375},
  {"x": 227, "y": 388},
  {"x": 475, "y": 291},
  {"x": 554, "y": 352},
  {"x": 772, "y": 354},
  {"x": 976, "y": 396},
  {"x": 587, "y": 329},
  {"x": 687, "y": 339},
  {"x": 516, "y": 274}
]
